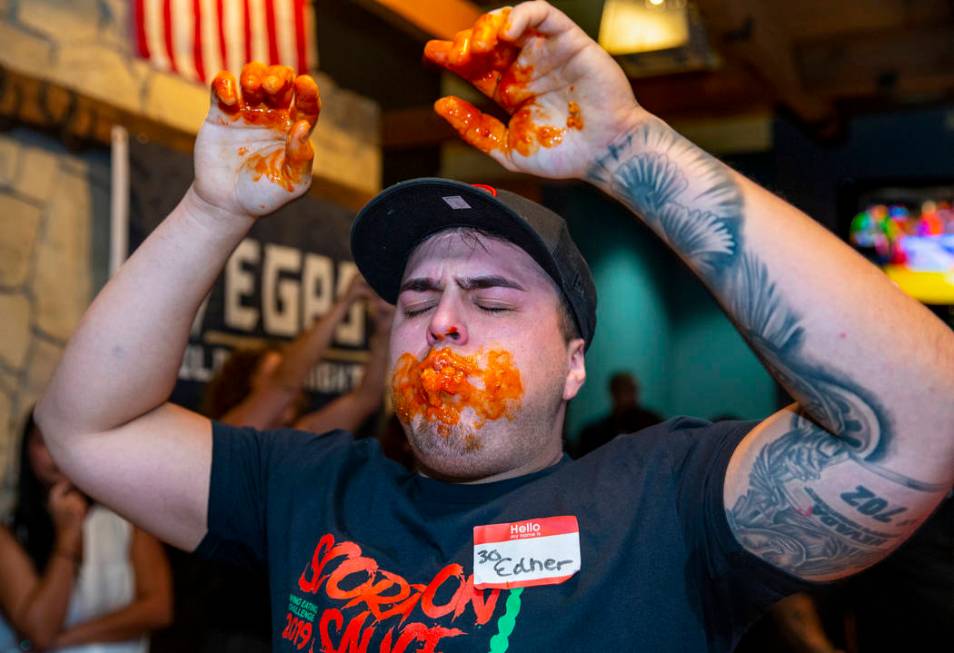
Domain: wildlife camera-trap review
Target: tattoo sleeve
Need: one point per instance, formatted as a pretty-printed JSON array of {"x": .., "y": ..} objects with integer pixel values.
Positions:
[{"x": 695, "y": 204}]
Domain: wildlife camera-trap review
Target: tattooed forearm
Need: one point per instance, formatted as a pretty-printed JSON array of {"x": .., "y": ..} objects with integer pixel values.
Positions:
[{"x": 694, "y": 203}]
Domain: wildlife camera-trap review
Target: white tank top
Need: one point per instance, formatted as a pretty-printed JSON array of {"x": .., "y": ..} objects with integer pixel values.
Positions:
[{"x": 106, "y": 581}]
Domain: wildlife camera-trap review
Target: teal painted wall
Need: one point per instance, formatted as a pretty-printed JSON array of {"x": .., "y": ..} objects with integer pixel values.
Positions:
[
  {"x": 629, "y": 266},
  {"x": 712, "y": 371},
  {"x": 657, "y": 321}
]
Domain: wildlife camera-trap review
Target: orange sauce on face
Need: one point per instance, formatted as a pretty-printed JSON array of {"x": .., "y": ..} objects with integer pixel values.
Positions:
[
  {"x": 445, "y": 383},
  {"x": 574, "y": 119}
]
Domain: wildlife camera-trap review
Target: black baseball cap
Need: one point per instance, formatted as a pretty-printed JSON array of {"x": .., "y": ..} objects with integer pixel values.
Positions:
[{"x": 391, "y": 225}]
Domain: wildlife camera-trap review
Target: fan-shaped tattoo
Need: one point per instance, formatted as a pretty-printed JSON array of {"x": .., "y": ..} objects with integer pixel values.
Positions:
[
  {"x": 650, "y": 181},
  {"x": 706, "y": 239}
]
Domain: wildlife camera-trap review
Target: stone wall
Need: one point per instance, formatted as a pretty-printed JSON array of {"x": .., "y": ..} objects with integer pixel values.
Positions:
[
  {"x": 53, "y": 206},
  {"x": 85, "y": 46}
]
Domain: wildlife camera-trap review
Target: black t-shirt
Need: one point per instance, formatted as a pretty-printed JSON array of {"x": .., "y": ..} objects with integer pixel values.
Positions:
[{"x": 365, "y": 556}]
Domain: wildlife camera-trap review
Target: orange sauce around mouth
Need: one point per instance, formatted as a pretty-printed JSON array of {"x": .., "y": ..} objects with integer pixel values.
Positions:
[{"x": 439, "y": 387}]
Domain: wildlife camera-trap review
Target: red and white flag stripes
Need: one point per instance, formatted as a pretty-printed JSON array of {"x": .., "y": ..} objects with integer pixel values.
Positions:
[{"x": 197, "y": 38}]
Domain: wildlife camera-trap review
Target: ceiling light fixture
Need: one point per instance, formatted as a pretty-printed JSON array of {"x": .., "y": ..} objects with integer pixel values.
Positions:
[{"x": 634, "y": 26}]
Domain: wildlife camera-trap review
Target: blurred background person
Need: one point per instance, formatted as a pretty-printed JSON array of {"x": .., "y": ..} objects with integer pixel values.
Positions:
[
  {"x": 625, "y": 416},
  {"x": 800, "y": 623},
  {"x": 74, "y": 576},
  {"x": 263, "y": 387}
]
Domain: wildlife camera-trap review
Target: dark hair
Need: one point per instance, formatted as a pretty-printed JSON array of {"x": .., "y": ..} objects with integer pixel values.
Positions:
[
  {"x": 621, "y": 381},
  {"x": 233, "y": 382},
  {"x": 32, "y": 523},
  {"x": 567, "y": 323}
]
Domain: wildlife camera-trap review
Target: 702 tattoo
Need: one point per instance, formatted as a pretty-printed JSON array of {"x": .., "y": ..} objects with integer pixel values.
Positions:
[{"x": 868, "y": 503}]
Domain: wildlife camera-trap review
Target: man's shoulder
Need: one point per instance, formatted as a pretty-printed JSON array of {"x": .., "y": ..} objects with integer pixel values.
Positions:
[{"x": 676, "y": 437}]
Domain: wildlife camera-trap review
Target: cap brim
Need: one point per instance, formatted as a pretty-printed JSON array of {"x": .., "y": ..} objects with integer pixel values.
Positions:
[{"x": 386, "y": 231}]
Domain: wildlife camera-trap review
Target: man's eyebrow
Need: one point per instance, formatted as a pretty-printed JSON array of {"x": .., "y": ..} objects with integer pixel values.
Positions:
[
  {"x": 420, "y": 284},
  {"x": 490, "y": 281}
]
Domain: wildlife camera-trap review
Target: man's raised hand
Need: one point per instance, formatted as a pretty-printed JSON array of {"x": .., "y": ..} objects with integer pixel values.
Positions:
[
  {"x": 567, "y": 98},
  {"x": 252, "y": 154}
]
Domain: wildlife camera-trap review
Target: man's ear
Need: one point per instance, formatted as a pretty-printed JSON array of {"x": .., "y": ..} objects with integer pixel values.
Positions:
[{"x": 575, "y": 369}]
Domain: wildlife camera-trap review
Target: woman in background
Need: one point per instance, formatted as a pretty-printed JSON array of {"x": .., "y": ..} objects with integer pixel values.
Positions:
[{"x": 74, "y": 576}]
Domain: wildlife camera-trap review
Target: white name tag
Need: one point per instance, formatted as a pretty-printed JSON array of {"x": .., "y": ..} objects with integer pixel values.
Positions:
[{"x": 526, "y": 553}]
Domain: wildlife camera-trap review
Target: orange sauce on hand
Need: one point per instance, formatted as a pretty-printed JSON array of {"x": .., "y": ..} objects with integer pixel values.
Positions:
[
  {"x": 490, "y": 64},
  {"x": 271, "y": 166},
  {"x": 484, "y": 132},
  {"x": 274, "y": 98},
  {"x": 574, "y": 119},
  {"x": 526, "y": 136},
  {"x": 445, "y": 383}
]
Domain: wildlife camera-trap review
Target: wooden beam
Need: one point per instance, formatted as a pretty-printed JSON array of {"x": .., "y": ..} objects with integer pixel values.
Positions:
[
  {"x": 891, "y": 63},
  {"x": 729, "y": 91},
  {"x": 432, "y": 19},
  {"x": 81, "y": 121},
  {"x": 414, "y": 127},
  {"x": 748, "y": 32}
]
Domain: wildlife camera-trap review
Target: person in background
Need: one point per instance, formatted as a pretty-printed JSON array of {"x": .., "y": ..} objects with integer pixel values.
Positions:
[
  {"x": 263, "y": 387},
  {"x": 805, "y": 622},
  {"x": 74, "y": 576},
  {"x": 626, "y": 415}
]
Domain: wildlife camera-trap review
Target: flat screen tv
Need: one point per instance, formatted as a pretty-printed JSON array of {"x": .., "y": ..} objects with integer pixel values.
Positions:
[{"x": 907, "y": 229}]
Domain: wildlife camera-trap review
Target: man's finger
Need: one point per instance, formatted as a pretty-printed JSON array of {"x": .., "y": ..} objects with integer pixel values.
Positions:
[
  {"x": 483, "y": 131},
  {"x": 535, "y": 17},
  {"x": 299, "y": 152},
  {"x": 437, "y": 51},
  {"x": 225, "y": 93},
  {"x": 459, "y": 53},
  {"x": 278, "y": 84},
  {"x": 251, "y": 81},
  {"x": 486, "y": 28},
  {"x": 482, "y": 69},
  {"x": 307, "y": 103}
]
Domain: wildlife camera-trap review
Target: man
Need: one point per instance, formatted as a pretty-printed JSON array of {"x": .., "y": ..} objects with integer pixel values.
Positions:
[
  {"x": 625, "y": 416},
  {"x": 669, "y": 541}
]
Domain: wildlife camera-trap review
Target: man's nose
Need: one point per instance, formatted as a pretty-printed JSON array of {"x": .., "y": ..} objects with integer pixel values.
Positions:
[{"x": 447, "y": 324}]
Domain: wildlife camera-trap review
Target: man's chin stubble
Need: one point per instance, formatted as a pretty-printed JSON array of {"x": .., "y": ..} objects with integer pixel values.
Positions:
[{"x": 459, "y": 441}]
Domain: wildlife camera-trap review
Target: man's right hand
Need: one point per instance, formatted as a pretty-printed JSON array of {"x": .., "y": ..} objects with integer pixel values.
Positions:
[{"x": 252, "y": 154}]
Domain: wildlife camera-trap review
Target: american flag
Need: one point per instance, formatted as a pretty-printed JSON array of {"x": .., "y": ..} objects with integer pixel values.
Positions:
[{"x": 197, "y": 38}]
